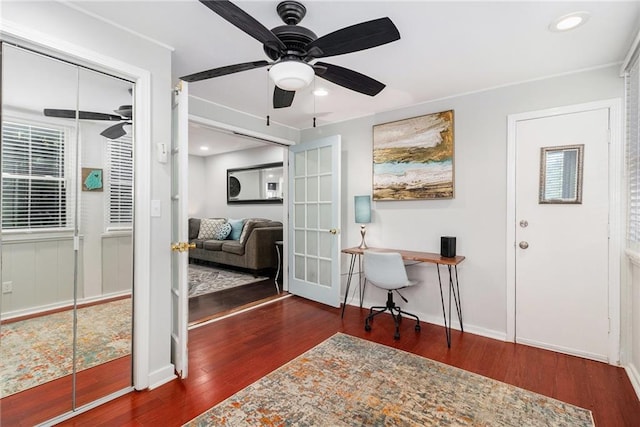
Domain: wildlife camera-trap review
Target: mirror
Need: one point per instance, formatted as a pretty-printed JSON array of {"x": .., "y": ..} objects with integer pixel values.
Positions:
[
  {"x": 255, "y": 184},
  {"x": 561, "y": 174}
]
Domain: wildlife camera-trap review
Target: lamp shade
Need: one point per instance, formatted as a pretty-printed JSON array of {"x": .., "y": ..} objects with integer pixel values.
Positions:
[
  {"x": 291, "y": 75},
  {"x": 363, "y": 209}
]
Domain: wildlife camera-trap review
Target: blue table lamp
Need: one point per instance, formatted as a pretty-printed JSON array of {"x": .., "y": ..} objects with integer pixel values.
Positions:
[{"x": 363, "y": 215}]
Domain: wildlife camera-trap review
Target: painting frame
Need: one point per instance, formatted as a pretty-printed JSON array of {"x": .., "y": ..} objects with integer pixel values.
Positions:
[
  {"x": 413, "y": 158},
  {"x": 92, "y": 179}
]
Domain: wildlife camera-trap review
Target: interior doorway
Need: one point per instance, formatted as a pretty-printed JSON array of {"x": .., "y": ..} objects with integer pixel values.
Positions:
[{"x": 219, "y": 288}]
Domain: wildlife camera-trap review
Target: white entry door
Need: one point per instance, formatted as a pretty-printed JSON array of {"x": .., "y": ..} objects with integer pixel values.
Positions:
[
  {"x": 179, "y": 230},
  {"x": 314, "y": 202},
  {"x": 562, "y": 249}
]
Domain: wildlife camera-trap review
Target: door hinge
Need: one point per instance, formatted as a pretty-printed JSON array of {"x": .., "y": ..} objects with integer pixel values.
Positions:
[{"x": 76, "y": 243}]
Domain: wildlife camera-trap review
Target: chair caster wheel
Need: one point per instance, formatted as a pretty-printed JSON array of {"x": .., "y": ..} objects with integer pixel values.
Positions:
[
  {"x": 367, "y": 327},
  {"x": 418, "y": 328},
  {"x": 396, "y": 336}
]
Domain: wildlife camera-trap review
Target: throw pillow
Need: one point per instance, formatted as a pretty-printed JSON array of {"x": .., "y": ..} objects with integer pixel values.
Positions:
[
  {"x": 222, "y": 231},
  {"x": 208, "y": 228},
  {"x": 236, "y": 228}
]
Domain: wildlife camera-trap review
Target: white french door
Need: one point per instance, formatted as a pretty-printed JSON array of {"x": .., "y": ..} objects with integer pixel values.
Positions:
[
  {"x": 314, "y": 224},
  {"x": 179, "y": 231}
]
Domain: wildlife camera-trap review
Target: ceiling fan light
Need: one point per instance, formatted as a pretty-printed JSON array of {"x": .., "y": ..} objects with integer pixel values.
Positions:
[{"x": 291, "y": 75}]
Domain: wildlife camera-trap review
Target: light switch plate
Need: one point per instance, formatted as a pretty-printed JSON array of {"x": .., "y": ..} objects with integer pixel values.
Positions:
[{"x": 156, "y": 208}]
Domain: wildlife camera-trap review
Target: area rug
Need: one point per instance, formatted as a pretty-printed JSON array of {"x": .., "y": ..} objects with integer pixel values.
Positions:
[
  {"x": 347, "y": 381},
  {"x": 38, "y": 350},
  {"x": 206, "y": 280}
]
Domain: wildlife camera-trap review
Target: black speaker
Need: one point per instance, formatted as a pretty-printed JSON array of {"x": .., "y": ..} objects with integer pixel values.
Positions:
[{"x": 448, "y": 246}]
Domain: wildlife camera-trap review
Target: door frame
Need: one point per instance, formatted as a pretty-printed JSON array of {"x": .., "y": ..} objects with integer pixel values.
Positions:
[
  {"x": 616, "y": 168},
  {"x": 40, "y": 42}
]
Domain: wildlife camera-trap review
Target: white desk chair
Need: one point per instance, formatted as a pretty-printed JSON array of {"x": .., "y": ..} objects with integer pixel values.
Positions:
[{"x": 386, "y": 270}]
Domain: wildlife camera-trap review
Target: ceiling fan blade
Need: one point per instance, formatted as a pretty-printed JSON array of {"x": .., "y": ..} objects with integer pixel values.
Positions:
[
  {"x": 354, "y": 38},
  {"x": 241, "y": 19},
  {"x": 84, "y": 115},
  {"x": 125, "y": 111},
  {"x": 282, "y": 98},
  {"x": 223, "y": 71},
  {"x": 349, "y": 79},
  {"x": 115, "y": 131}
]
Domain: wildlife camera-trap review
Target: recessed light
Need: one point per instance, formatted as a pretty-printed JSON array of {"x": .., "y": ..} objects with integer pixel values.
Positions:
[
  {"x": 321, "y": 92},
  {"x": 569, "y": 22},
  {"x": 204, "y": 148}
]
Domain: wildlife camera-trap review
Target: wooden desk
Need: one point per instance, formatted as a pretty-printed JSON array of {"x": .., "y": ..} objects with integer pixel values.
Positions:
[{"x": 433, "y": 258}]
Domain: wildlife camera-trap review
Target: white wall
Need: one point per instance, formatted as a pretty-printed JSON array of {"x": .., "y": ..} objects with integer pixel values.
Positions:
[
  {"x": 477, "y": 214},
  {"x": 211, "y": 190},
  {"x": 197, "y": 186},
  {"x": 62, "y": 28}
]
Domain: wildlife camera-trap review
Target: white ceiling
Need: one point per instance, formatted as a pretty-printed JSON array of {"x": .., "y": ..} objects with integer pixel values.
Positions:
[{"x": 446, "y": 48}]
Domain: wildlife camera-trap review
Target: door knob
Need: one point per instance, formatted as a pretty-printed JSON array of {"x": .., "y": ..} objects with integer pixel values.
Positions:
[
  {"x": 523, "y": 245},
  {"x": 333, "y": 231}
]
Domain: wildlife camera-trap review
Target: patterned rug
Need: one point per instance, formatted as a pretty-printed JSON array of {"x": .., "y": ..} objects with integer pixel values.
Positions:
[
  {"x": 206, "y": 280},
  {"x": 39, "y": 350},
  {"x": 347, "y": 381}
]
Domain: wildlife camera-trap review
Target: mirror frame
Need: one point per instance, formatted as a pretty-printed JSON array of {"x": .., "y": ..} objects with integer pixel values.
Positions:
[
  {"x": 231, "y": 201},
  {"x": 579, "y": 148}
]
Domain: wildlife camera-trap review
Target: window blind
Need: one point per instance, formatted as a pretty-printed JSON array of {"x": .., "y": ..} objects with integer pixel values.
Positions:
[
  {"x": 33, "y": 177},
  {"x": 633, "y": 152},
  {"x": 120, "y": 183}
]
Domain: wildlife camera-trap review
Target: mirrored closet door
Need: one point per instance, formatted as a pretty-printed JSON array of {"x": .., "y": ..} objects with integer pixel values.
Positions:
[{"x": 67, "y": 236}]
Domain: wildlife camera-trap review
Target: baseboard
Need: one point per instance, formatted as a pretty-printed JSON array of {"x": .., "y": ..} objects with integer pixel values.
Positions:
[
  {"x": 439, "y": 320},
  {"x": 162, "y": 376},
  {"x": 565, "y": 350},
  {"x": 634, "y": 377}
]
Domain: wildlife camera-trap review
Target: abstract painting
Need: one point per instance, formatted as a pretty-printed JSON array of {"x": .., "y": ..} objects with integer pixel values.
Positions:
[{"x": 413, "y": 158}]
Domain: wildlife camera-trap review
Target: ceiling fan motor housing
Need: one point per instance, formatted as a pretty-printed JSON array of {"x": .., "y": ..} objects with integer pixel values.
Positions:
[{"x": 291, "y": 12}]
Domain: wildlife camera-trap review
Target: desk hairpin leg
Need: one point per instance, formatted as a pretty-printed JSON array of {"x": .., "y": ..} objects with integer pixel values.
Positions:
[
  {"x": 455, "y": 290},
  {"x": 361, "y": 282},
  {"x": 346, "y": 293}
]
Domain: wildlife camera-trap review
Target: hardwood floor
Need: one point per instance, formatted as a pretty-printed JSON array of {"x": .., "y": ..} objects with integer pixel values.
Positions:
[
  {"x": 209, "y": 306},
  {"x": 230, "y": 354}
]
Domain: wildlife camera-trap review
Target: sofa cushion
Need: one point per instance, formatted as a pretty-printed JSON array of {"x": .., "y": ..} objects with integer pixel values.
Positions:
[
  {"x": 233, "y": 247},
  {"x": 209, "y": 228},
  {"x": 212, "y": 245},
  {"x": 199, "y": 243},
  {"x": 236, "y": 228}
]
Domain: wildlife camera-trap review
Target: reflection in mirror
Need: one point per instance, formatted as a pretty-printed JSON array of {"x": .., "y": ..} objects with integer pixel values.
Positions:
[
  {"x": 255, "y": 184},
  {"x": 67, "y": 237},
  {"x": 561, "y": 174}
]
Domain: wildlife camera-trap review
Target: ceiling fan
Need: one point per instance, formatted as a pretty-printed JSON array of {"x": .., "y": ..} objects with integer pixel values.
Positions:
[
  {"x": 292, "y": 48},
  {"x": 124, "y": 115}
]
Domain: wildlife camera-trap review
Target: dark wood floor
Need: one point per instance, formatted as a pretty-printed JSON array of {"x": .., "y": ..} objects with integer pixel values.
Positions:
[
  {"x": 209, "y": 306},
  {"x": 230, "y": 354}
]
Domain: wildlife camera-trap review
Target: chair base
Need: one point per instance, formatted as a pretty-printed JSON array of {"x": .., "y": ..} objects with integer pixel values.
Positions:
[{"x": 396, "y": 313}]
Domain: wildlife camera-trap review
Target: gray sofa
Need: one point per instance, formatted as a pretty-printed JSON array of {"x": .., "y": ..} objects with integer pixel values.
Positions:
[{"x": 255, "y": 250}]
